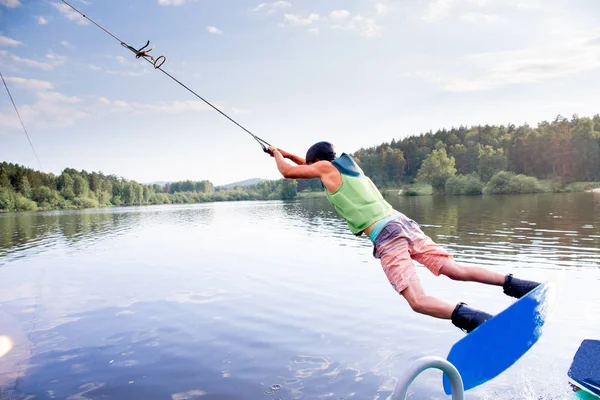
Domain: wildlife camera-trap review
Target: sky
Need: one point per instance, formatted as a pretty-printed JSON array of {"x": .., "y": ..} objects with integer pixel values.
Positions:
[{"x": 354, "y": 72}]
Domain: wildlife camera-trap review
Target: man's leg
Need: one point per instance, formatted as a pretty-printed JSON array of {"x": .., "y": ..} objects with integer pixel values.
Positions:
[
  {"x": 461, "y": 315},
  {"x": 474, "y": 273},
  {"x": 423, "y": 304},
  {"x": 471, "y": 272},
  {"x": 401, "y": 272},
  {"x": 439, "y": 262},
  {"x": 394, "y": 250}
]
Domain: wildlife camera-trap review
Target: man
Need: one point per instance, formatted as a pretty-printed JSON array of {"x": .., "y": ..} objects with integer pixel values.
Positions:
[{"x": 397, "y": 239}]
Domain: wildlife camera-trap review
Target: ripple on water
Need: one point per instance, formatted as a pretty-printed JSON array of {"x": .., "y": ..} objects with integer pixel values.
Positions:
[{"x": 237, "y": 300}]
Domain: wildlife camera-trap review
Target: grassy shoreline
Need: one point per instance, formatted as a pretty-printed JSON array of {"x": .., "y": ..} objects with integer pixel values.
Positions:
[
  {"x": 546, "y": 186},
  {"x": 422, "y": 189},
  {"x": 408, "y": 190}
]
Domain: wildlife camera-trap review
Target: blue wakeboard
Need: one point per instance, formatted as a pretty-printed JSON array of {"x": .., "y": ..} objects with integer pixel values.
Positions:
[
  {"x": 497, "y": 344},
  {"x": 584, "y": 373}
]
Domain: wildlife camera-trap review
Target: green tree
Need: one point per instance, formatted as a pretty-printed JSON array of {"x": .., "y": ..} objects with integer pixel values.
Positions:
[
  {"x": 139, "y": 193},
  {"x": 24, "y": 187},
  {"x": 45, "y": 195},
  {"x": 464, "y": 184},
  {"x": 437, "y": 169},
  {"x": 80, "y": 186},
  {"x": 22, "y": 203},
  {"x": 490, "y": 162},
  {"x": 586, "y": 151},
  {"x": 4, "y": 180},
  {"x": 289, "y": 189},
  {"x": 471, "y": 163},
  {"x": 371, "y": 166},
  {"x": 7, "y": 201},
  {"x": 129, "y": 194},
  {"x": 459, "y": 152},
  {"x": 394, "y": 163}
]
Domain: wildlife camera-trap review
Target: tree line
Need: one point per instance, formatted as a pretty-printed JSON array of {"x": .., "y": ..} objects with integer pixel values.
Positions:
[
  {"x": 474, "y": 160},
  {"x": 25, "y": 189},
  {"x": 564, "y": 150}
]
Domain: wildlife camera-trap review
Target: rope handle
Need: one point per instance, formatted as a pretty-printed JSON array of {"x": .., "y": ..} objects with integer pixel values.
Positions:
[{"x": 142, "y": 53}]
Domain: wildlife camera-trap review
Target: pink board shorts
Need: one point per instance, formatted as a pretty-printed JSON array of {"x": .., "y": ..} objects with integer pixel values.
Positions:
[{"x": 399, "y": 243}]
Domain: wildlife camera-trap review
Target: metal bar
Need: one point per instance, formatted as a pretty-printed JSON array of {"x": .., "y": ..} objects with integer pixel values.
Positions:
[{"x": 420, "y": 365}]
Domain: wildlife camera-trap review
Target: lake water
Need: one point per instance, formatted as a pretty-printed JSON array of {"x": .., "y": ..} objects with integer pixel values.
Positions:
[{"x": 275, "y": 300}]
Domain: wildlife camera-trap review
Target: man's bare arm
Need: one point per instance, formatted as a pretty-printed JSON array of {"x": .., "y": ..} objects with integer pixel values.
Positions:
[{"x": 296, "y": 159}]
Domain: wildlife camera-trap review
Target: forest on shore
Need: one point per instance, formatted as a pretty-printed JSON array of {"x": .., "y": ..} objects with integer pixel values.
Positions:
[
  {"x": 489, "y": 159},
  {"x": 483, "y": 159},
  {"x": 24, "y": 189}
]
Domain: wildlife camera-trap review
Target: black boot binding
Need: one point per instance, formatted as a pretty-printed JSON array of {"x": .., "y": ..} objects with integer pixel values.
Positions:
[
  {"x": 467, "y": 318},
  {"x": 518, "y": 287}
]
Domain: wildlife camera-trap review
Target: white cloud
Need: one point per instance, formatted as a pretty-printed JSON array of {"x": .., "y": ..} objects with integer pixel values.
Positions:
[
  {"x": 57, "y": 97},
  {"x": 171, "y": 2},
  {"x": 51, "y": 109},
  {"x": 383, "y": 8},
  {"x": 42, "y": 20},
  {"x": 339, "y": 14},
  {"x": 529, "y": 4},
  {"x": 46, "y": 66},
  {"x": 132, "y": 66},
  {"x": 478, "y": 18},
  {"x": 121, "y": 60},
  {"x": 166, "y": 107},
  {"x": 69, "y": 13},
  {"x": 6, "y": 41},
  {"x": 428, "y": 76},
  {"x": 53, "y": 60},
  {"x": 214, "y": 30},
  {"x": 554, "y": 60},
  {"x": 299, "y": 20},
  {"x": 437, "y": 10},
  {"x": 594, "y": 42},
  {"x": 10, "y": 3},
  {"x": 364, "y": 26},
  {"x": 117, "y": 72},
  {"x": 30, "y": 84},
  {"x": 271, "y": 8},
  {"x": 314, "y": 31},
  {"x": 440, "y": 9},
  {"x": 66, "y": 44},
  {"x": 240, "y": 111}
]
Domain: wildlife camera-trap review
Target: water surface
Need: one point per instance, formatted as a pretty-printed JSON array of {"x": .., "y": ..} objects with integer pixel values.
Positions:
[{"x": 275, "y": 300}]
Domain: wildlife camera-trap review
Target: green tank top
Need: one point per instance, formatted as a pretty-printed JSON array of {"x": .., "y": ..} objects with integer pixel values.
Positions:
[{"x": 357, "y": 199}]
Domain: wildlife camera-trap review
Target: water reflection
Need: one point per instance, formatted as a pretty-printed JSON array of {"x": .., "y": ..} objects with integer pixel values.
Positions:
[
  {"x": 257, "y": 299},
  {"x": 22, "y": 232},
  {"x": 548, "y": 231},
  {"x": 596, "y": 195}
]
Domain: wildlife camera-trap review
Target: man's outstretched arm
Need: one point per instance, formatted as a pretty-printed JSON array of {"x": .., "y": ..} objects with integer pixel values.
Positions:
[
  {"x": 296, "y": 159},
  {"x": 301, "y": 171}
]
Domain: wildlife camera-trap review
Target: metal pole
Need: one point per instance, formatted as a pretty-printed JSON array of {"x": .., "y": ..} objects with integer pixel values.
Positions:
[{"x": 420, "y": 365}]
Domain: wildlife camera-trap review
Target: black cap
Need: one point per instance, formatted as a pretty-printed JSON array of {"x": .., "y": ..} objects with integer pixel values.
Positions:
[{"x": 323, "y": 151}]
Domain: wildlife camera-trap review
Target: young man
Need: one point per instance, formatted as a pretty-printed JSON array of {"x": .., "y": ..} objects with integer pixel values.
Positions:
[{"x": 397, "y": 239}]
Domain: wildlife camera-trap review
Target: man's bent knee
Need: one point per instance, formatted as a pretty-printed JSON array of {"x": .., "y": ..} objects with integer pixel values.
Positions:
[{"x": 417, "y": 305}]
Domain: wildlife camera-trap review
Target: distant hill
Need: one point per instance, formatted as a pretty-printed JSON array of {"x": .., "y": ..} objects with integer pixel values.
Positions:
[{"x": 247, "y": 182}]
